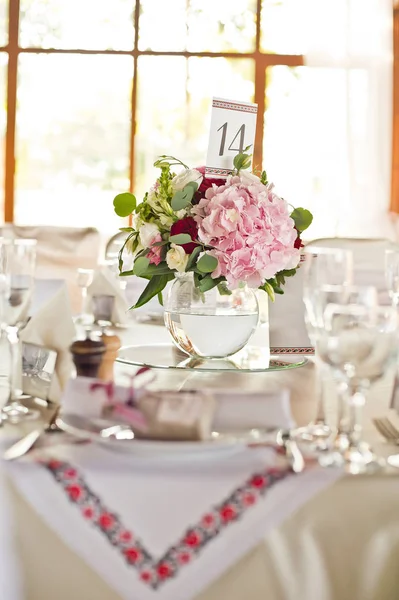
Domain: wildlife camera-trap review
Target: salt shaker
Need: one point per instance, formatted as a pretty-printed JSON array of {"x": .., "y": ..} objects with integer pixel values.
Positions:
[
  {"x": 87, "y": 355},
  {"x": 112, "y": 344}
]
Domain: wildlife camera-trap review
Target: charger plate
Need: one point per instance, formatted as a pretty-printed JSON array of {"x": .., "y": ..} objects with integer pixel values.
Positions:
[
  {"x": 219, "y": 443},
  {"x": 250, "y": 359}
]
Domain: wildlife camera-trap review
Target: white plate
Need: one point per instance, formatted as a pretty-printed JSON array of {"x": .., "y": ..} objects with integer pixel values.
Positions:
[{"x": 219, "y": 443}]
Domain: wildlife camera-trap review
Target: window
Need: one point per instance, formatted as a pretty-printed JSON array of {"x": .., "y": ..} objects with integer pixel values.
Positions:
[{"x": 97, "y": 89}]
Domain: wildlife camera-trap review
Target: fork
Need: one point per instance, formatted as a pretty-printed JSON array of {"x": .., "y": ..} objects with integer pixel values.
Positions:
[{"x": 387, "y": 429}]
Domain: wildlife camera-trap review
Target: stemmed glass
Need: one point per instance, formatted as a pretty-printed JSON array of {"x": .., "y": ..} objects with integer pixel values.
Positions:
[
  {"x": 359, "y": 343},
  {"x": 392, "y": 274},
  {"x": 321, "y": 266},
  {"x": 84, "y": 280},
  {"x": 17, "y": 270}
]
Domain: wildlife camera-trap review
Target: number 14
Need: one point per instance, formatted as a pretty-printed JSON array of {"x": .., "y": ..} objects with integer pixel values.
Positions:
[{"x": 240, "y": 132}]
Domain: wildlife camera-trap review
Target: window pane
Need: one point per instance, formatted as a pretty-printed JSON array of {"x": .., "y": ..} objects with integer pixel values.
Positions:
[
  {"x": 198, "y": 25},
  {"x": 88, "y": 24},
  {"x": 73, "y": 130},
  {"x": 177, "y": 123},
  {"x": 305, "y": 139},
  {"x": 3, "y": 122},
  {"x": 3, "y": 22},
  {"x": 284, "y": 25}
]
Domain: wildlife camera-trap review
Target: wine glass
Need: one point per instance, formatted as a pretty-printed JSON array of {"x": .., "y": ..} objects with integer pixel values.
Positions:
[
  {"x": 84, "y": 279},
  {"x": 17, "y": 268},
  {"x": 392, "y": 274},
  {"x": 321, "y": 265},
  {"x": 358, "y": 343}
]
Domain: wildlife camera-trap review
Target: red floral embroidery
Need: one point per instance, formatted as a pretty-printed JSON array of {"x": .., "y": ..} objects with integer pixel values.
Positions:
[
  {"x": 152, "y": 572},
  {"x": 192, "y": 539},
  {"x": 132, "y": 554},
  {"x": 228, "y": 512},
  {"x": 74, "y": 491}
]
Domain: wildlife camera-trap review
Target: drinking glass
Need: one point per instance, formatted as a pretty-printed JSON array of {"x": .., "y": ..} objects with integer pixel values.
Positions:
[
  {"x": 17, "y": 268},
  {"x": 84, "y": 279},
  {"x": 358, "y": 343},
  {"x": 321, "y": 266},
  {"x": 392, "y": 274}
]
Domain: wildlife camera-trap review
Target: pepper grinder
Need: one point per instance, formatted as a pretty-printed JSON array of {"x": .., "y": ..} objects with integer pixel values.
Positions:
[
  {"x": 112, "y": 344},
  {"x": 87, "y": 355}
]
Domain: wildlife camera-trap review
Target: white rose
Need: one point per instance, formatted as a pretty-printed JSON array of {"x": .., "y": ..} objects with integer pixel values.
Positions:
[
  {"x": 176, "y": 258},
  {"x": 147, "y": 233},
  {"x": 248, "y": 178},
  {"x": 182, "y": 179}
]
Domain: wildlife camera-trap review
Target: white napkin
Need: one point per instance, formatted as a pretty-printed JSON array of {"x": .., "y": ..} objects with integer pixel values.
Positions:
[
  {"x": 105, "y": 282},
  {"x": 235, "y": 410},
  {"x": 52, "y": 326}
]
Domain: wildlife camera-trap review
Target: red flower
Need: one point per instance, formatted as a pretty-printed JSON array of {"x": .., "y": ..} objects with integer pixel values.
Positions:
[
  {"x": 146, "y": 576},
  {"x": 88, "y": 512},
  {"x": 228, "y": 512},
  {"x": 187, "y": 225},
  {"x": 70, "y": 473},
  {"x": 106, "y": 521},
  {"x": 54, "y": 464},
  {"x": 257, "y": 481},
  {"x": 208, "y": 520},
  {"x": 206, "y": 183},
  {"x": 132, "y": 554},
  {"x": 192, "y": 539},
  {"x": 164, "y": 570},
  {"x": 184, "y": 558},
  {"x": 249, "y": 499},
  {"x": 74, "y": 492},
  {"x": 125, "y": 536},
  {"x": 298, "y": 242}
]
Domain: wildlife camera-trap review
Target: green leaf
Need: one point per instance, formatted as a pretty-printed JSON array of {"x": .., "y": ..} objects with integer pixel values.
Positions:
[
  {"x": 126, "y": 229},
  {"x": 124, "y": 204},
  {"x": 207, "y": 263},
  {"x": 207, "y": 283},
  {"x": 161, "y": 269},
  {"x": 141, "y": 264},
  {"x": 160, "y": 298},
  {"x": 302, "y": 218},
  {"x": 192, "y": 257},
  {"x": 180, "y": 238},
  {"x": 223, "y": 289},
  {"x": 266, "y": 287},
  {"x": 153, "y": 288},
  {"x": 192, "y": 184},
  {"x": 242, "y": 160},
  {"x": 182, "y": 198},
  {"x": 263, "y": 178}
]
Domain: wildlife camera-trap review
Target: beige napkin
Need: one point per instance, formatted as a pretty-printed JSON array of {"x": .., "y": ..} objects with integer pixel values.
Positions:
[
  {"x": 106, "y": 283},
  {"x": 52, "y": 326}
]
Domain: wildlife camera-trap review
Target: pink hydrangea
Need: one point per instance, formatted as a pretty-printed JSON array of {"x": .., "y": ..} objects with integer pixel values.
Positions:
[
  {"x": 250, "y": 230},
  {"x": 154, "y": 255}
]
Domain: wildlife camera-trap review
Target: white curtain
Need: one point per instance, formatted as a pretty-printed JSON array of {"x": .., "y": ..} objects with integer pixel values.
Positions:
[
  {"x": 354, "y": 38},
  {"x": 328, "y": 125}
]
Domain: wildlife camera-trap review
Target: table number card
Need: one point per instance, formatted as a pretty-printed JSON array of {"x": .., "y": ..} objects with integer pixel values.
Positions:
[{"x": 233, "y": 126}]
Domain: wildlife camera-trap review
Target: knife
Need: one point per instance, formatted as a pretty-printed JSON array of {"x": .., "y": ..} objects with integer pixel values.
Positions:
[{"x": 26, "y": 443}]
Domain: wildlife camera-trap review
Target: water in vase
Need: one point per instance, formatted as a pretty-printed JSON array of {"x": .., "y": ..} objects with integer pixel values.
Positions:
[{"x": 211, "y": 335}]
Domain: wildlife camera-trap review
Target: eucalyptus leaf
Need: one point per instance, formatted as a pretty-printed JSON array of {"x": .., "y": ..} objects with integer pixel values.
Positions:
[
  {"x": 207, "y": 263},
  {"x": 192, "y": 184},
  {"x": 223, "y": 289},
  {"x": 182, "y": 198},
  {"x": 141, "y": 264},
  {"x": 207, "y": 283},
  {"x": 124, "y": 204},
  {"x": 180, "y": 238},
  {"x": 302, "y": 218}
]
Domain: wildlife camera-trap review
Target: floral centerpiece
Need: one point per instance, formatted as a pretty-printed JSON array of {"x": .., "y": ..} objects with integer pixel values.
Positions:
[{"x": 226, "y": 232}]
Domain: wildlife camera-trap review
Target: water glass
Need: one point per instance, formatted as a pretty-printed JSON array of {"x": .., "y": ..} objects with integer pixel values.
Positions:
[
  {"x": 321, "y": 266},
  {"x": 358, "y": 343},
  {"x": 84, "y": 279},
  {"x": 17, "y": 271}
]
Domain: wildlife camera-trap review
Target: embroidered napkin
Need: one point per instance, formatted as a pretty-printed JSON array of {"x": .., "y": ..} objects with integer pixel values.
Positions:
[
  {"x": 107, "y": 284},
  {"x": 155, "y": 530},
  {"x": 52, "y": 326}
]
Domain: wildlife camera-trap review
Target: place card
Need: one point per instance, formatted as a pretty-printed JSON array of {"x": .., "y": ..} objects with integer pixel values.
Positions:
[
  {"x": 233, "y": 126},
  {"x": 184, "y": 408}
]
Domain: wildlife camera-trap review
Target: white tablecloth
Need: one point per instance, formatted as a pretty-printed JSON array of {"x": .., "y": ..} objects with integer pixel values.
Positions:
[{"x": 341, "y": 545}]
